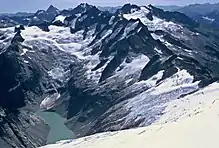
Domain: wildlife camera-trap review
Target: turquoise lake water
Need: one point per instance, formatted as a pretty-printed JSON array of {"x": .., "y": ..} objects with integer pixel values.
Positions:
[{"x": 58, "y": 129}]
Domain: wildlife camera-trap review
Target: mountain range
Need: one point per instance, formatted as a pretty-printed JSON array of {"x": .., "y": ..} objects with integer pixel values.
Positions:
[
  {"x": 41, "y": 16},
  {"x": 198, "y": 9},
  {"x": 206, "y": 14},
  {"x": 101, "y": 71},
  {"x": 199, "y": 12}
]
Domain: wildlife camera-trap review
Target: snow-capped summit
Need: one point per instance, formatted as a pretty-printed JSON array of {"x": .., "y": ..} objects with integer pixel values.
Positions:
[{"x": 152, "y": 14}]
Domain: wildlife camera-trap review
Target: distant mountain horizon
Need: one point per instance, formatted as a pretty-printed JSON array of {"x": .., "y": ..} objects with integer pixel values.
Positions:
[
  {"x": 164, "y": 7},
  {"x": 198, "y": 9}
]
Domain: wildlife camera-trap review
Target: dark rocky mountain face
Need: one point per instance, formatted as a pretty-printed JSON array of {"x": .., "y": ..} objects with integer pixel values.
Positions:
[
  {"x": 19, "y": 87},
  {"x": 42, "y": 16},
  {"x": 101, "y": 71}
]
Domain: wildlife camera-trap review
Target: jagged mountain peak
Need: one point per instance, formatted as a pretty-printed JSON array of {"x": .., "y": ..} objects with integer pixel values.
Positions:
[
  {"x": 77, "y": 11},
  {"x": 128, "y": 8},
  {"x": 42, "y": 16},
  {"x": 52, "y": 9},
  {"x": 83, "y": 7}
]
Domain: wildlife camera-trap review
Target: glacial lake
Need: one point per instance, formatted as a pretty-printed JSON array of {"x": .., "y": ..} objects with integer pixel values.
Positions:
[{"x": 58, "y": 129}]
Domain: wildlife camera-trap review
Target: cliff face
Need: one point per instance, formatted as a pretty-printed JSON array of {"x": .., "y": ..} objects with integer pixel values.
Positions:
[
  {"x": 186, "y": 123},
  {"x": 19, "y": 87},
  {"x": 20, "y": 92}
]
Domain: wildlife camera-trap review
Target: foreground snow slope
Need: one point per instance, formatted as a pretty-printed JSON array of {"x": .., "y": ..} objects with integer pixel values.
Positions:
[{"x": 195, "y": 125}]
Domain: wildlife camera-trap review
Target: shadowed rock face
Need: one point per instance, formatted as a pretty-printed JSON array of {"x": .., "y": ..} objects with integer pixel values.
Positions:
[
  {"x": 13, "y": 96},
  {"x": 101, "y": 71},
  {"x": 18, "y": 86}
]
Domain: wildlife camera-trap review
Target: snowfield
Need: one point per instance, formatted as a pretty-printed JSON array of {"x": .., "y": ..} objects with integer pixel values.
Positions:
[
  {"x": 155, "y": 24},
  {"x": 189, "y": 122}
]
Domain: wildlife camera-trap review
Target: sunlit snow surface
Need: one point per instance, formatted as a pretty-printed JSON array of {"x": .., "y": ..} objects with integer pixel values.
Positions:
[
  {"x": 191, "y": 105},
  {"x": 186, "y": 123},
  {"x": 155, "y": 24},
  {"x": 57, "y": 37},
  {"x": 61, "y": 38},
  {"x": 137, "y": 64},
  {"x": 149, "y": 104}
]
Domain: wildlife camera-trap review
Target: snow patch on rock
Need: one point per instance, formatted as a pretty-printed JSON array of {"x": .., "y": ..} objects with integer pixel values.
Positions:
[
  {"x": 60, "y": 18},
  {"x": 208, "y": 19},
  {"x": 49, "y": 101}
]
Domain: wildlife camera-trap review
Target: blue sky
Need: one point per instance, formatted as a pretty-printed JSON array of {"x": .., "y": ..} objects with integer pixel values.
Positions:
[{"x": 33, "y": 5}]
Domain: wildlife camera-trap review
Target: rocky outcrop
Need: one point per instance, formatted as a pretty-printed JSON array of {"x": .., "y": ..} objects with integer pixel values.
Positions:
[{"x": 19, "y": 87}]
